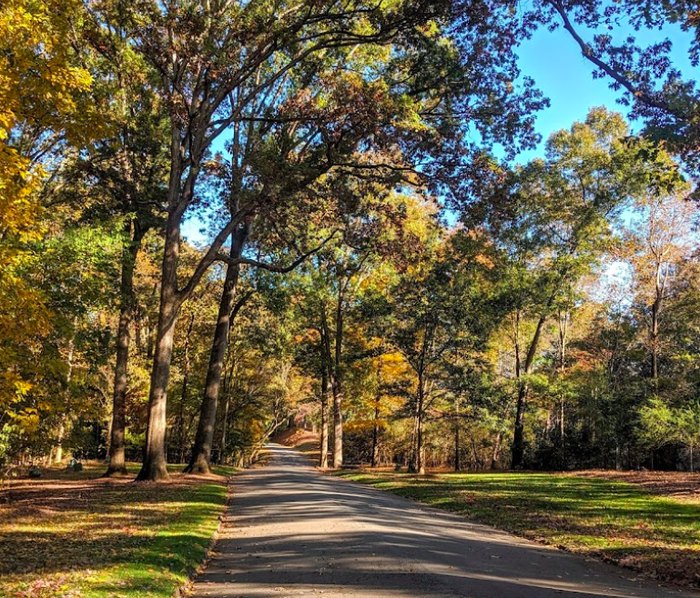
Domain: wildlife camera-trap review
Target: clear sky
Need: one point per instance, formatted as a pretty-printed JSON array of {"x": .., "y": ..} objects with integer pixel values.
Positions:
[{"x": 554, "y": 61}]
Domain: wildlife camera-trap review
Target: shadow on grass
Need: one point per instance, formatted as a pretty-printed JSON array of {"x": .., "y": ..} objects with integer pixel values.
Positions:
[
  {"x": 616, "y": 521},
  {"x": 153, "y": 534}
]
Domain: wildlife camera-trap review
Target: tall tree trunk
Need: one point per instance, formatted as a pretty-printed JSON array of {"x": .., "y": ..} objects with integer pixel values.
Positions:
[
  {"x": 338, "y": 385},
  {"x": 201, "y": 451},
  {"x": 154, "y": 466},
  {"x": 117, "y": 460},
  {"x": 323, "y": 458},
  {"x": 375, "y": 425},
  {"x": 416, "y": 464}
]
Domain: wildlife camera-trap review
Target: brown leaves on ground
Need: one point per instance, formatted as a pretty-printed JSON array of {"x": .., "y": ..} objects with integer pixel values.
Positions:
[
  {"x": 678, "y": 484},
  {"x": 57, "y": 530}
]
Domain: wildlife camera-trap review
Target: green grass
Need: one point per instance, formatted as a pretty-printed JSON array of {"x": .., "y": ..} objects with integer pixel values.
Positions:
[
  {"x": 613, "y": 520},
  {"x": 72, "y": 535}
]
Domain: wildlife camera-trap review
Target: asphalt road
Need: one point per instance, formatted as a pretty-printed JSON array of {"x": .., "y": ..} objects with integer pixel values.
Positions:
[{"x": 292, "y": 531}]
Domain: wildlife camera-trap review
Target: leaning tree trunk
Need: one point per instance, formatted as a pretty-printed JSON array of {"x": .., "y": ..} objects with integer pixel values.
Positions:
[
  {"x": 518, "y": 452},
  {"x": 117, "y": 461},
  {"x": 154, "y": 466},
  {"x": 201, "y": 451}
]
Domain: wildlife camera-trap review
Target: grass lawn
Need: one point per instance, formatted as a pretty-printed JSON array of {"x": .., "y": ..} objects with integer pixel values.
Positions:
[
  {"x": 76, "y": 535},
  {"x": 614, "y": 520}
]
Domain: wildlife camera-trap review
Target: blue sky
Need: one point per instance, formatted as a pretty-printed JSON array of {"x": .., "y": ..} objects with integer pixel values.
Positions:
[{"x": 554, "y": 61}]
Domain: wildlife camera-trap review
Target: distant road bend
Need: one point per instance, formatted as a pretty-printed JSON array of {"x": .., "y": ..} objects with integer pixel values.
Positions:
[{"x": 292, "y": 531}]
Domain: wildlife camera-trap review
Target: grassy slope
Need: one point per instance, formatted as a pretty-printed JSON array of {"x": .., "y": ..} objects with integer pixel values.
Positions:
[
  {"x": 98, "y": 538},
  {"x": 610, "y": 519}
]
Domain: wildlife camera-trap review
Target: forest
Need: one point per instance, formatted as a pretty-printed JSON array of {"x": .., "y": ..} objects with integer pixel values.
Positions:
[{"x": 220, "y": 219}]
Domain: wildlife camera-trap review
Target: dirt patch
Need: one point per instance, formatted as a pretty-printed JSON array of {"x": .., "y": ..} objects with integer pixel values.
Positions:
[
  {"x": 677, "y": 484},
  {"x": 296, "y": 437}
]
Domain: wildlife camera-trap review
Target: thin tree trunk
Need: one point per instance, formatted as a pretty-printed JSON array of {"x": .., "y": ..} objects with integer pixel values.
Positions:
[
  {"x": 224, "y": 418},
  {"x": 338, "y": 386},
  {"x": 323, "y": 459},
  {"x": 518, "y": 432},
  {"x": 416, "y": 464},
  {"x": 496, "y": 451},
  {"x": 654, "y": 338},
  {"x": 117, "y": 461},
  {"x": 375, "y": 433},
  {"x": 375, "y": 426},
  {"x": 458, "y": 465},
  {"x": 69, "y": 377},
  {"x": 201, "y": 451},
  {"x": 181, "y": 434}
]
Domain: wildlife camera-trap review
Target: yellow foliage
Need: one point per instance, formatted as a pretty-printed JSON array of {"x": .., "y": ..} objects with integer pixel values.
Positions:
[{"x": 42, "y": 98}]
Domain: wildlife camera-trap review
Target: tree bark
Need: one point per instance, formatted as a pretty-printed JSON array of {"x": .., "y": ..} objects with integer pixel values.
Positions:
[
  {"x": 323, "y": 458},
  {"x": 154, "y": 466},
  {"x": 416, "y": 465},
  {"x": 338, "y": 386},
  {"x": 201, "y": 451},
  {"x": 117, "y": 460}
]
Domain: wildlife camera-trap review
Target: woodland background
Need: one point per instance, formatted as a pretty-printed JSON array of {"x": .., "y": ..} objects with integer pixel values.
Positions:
[{"x": 374, "y": 261}]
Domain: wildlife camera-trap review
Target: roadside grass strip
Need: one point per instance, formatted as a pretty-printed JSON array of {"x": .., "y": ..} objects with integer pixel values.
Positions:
[
  {"x": 615, "y": 521},
  {"x": 77, "y": 535}
]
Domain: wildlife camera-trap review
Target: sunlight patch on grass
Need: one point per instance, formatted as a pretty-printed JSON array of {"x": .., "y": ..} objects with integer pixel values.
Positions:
[
  {"x": 107, "y": 538},
  {"x": 616, "y": 521}
]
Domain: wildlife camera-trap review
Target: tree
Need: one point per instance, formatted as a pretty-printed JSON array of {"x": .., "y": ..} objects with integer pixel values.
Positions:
[
  {"x": 659, "y": 240},
  {"x": 42, "y": 93},
  {"x": 551, "y": 219},
  {"x": 205, "y": 101},
  {"x": 651, "y": 85},
  {"x": 438, "y": 320}
]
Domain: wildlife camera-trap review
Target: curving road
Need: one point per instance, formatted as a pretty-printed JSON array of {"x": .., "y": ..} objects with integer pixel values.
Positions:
[{"x": 292, "y": 531}]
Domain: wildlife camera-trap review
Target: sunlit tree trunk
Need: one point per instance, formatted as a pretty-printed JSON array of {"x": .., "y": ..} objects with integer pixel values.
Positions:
[
  {"x": 338, "y": 386},
  {"x": 155, "y": 463},
  {"x": 325, "y": 387}
]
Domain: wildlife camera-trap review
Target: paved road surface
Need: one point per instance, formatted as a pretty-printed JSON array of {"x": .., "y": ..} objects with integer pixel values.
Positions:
[{"x": 294, "y": 532}]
